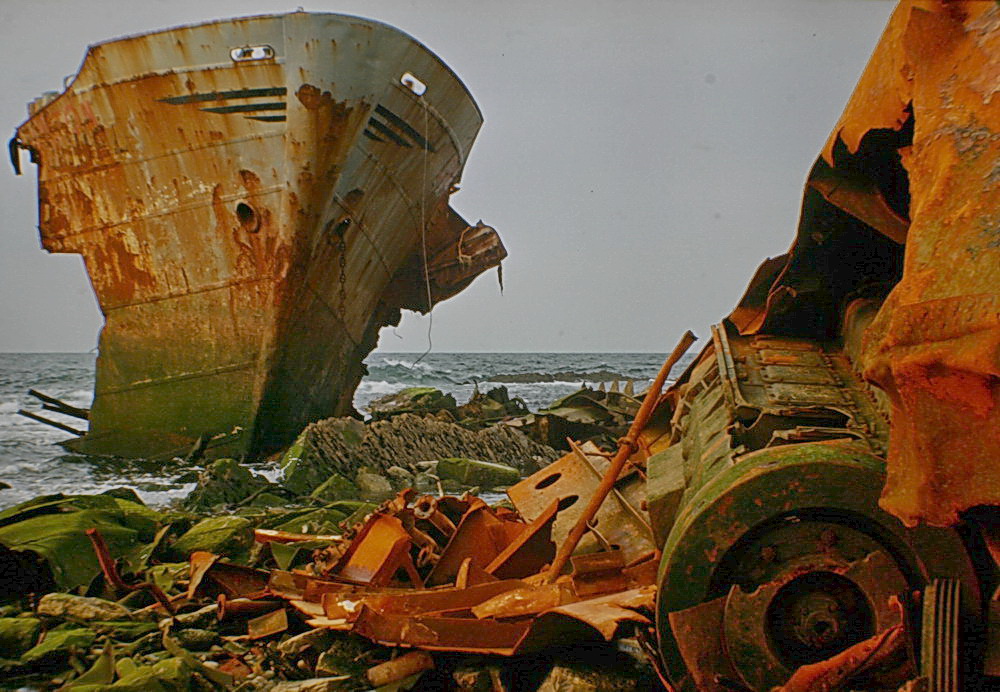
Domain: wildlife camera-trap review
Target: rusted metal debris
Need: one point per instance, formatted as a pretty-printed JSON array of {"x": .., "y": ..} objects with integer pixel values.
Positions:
[{"x": 488, "y": 567}]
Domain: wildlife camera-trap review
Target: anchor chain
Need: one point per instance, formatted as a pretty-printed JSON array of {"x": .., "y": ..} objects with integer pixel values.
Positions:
[{"x": 342, "y": 261}]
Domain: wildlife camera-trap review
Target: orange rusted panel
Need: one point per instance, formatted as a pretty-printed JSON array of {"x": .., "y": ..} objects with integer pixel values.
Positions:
[
  {"x": 905, "y": 196},
  {"x": 934, "y": 346}
]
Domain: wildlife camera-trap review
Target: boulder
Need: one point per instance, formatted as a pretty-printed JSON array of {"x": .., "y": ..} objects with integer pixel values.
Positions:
[
  {"x": 319, "y": 521},
  {"x": 223, "y": 482},
  {"x": 585, "y": 678},
  {"x": 399, "y": 478},
  {"x": 334, "y": 446},
  {"x": 304, "y": 467},
  {"x": 124, "y": 493},
  {"x": 469, "y": 472},
  {"x": 196, "y": 639},
  {"x": 372, "y": 487},
  {"x": 334, "y": 488},
  {"x": 266, "y": 499}
]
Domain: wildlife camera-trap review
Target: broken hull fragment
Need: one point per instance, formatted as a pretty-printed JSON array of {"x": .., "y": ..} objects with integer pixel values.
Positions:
[{"x": 250, "y": 217}]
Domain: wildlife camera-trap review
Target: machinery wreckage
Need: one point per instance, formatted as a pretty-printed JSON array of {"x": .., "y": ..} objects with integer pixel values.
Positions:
[{"x": 811, "y": 505}]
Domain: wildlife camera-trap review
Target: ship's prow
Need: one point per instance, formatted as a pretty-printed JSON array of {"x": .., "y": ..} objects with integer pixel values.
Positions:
[{"x": 253, "y": 199}]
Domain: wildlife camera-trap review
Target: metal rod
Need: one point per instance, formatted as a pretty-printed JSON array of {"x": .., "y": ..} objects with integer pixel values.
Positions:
[
  {"x": 59, "y": 405},
  {"x": 54, "y": 424},
  {"x": 626, "y": 446},
  {"x": 66, "y": 411}
]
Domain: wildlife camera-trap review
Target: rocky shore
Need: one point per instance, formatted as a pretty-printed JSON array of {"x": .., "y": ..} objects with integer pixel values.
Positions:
[{"x": 253, "y": 584}]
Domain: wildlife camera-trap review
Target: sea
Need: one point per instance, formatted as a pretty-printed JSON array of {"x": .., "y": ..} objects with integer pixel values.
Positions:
[{"x": 32, "y": 463}]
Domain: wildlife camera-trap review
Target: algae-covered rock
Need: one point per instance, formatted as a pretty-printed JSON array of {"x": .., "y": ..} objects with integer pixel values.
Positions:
[
  {"x": 589, "y": 678},
  {"x": 315, "y": 640},
  {"x": 344, "y": 656},
  {"x": 225, "y": 535},
  {"x": 223, "y": 482},
  {"x": 484, "y": 474},
  {"x": 399, "y": 478},
  {"x": 372, "y": 487},
  {"x": 334, "y": 488},
  {"x": 58, "y": 644},
  {"x": 123, "y": 630},
  {"x": 304, "y": 467},
  {"x": 412, "y": 400},
  {"x": 334, "y": 684},
  {"x": 17, "y": 635},
  {"x": 125, "y": 493},
  {"x": 53, "y": 528},
  {"x": 65, "y": 605}
]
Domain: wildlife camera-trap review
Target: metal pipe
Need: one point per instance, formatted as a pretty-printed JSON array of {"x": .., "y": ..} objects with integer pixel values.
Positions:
[{"x": 626, "y": 446}]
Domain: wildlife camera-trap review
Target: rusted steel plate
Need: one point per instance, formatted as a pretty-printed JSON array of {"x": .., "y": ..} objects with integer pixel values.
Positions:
[
  {"x": 275, "y": 536},
  {"x": 532, "y": 550},
  {"x": 274, "y": 622},
  {"x": 587, "y": 619},
  {"x": 379, "y": 550},
  {"x": 436, "y": 601},
  {"x": 478, "y": 539},
  {"x": 911, "y": 161},
  {"x": 210, "y": 577},
  {"x": 526, "y": 600},
  {"x": 601, "y": 573},
  {"x": 441, "y": 634},
  {"x": 583, "y": 620},
  {"x": 244, "y": 607},
  {"x": 570, "y": 482},
  {"x": 834, "y": 673},
  {"x": 698, "y": 633}
]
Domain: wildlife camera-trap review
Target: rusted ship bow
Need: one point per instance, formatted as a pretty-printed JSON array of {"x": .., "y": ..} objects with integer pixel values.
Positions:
[{"x": 254, "y": 199}]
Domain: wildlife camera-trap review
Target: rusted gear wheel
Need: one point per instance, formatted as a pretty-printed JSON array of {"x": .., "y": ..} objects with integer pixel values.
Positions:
[
  {"x": 785, "y": 559},
  {"x": 940, "y": 634}
]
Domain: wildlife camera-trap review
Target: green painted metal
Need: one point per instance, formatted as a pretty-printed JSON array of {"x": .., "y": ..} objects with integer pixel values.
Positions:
[{"x": 837, "y": 477}]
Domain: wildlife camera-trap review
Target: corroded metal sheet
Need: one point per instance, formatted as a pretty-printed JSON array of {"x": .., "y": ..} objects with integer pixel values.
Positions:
[
  {"x": 569, "y": 482},
  {"x": 904, "y": 197},
  {"x": 933, "y": 345},
  {"x": 248, "y": 217}
]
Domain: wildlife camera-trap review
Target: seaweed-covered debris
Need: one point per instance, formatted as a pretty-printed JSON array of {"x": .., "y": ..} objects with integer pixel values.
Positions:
[
  {"x": 584, "y": 415},
  {"x": 412, "y": 400}
]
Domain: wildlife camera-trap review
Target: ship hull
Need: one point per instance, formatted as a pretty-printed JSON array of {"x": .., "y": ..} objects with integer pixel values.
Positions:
[{"x": 250, "y": 198}]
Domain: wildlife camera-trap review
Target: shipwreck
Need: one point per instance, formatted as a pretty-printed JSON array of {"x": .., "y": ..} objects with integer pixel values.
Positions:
[{"x": 253, "y": 199}]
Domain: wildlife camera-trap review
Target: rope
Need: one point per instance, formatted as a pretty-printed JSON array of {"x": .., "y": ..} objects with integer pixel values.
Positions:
[{"x": 423, "y": 238}]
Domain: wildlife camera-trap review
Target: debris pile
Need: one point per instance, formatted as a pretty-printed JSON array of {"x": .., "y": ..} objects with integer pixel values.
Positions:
[
  {"x": 354, "y": 570},
  {"x": 175, "y": 601}
]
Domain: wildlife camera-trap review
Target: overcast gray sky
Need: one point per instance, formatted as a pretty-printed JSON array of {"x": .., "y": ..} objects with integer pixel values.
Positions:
[{"x": 639, "y": 159}]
